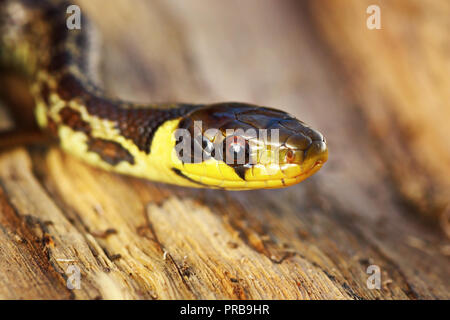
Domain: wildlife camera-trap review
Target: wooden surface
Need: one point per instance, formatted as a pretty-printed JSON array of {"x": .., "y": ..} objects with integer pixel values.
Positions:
[{"x": 380, "y": 200}]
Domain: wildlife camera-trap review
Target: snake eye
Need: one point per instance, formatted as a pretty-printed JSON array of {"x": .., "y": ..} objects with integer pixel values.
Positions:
[
  {"x": 290, "y": 156},
  {"x": 237, "y": 150}
]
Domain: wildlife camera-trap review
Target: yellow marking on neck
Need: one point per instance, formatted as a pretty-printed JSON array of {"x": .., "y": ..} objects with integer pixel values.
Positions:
[{"x": 155, "y": 166}]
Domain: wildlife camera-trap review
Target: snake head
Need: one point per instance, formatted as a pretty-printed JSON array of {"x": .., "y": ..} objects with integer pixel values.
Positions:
[{"x": 242, "y": 146}]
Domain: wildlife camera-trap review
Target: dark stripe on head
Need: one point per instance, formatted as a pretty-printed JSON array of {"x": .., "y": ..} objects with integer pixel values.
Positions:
[
  {"x": 110, "y": 151},
  {"x": 70, "y": 87}
]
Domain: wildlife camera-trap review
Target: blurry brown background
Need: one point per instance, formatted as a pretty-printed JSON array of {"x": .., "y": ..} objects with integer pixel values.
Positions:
[{"x": 381, "y": 98}]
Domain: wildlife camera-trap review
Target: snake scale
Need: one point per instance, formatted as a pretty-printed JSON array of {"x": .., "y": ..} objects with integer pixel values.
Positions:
[{"x": 229, "y": 145}]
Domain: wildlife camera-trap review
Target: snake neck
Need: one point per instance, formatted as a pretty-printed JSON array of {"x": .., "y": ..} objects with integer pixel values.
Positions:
[{"x": 61, "y": 65}]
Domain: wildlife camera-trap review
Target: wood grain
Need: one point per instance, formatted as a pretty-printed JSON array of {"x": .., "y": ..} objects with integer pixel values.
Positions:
[{"x": 135, "y": 239}]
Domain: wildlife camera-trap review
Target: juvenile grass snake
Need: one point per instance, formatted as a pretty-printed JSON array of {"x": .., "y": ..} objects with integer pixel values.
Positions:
[{"x": 138, "y": 139}]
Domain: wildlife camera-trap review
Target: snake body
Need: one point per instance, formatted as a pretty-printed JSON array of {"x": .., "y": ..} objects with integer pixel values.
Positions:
[{"x": 141, "y": 140}]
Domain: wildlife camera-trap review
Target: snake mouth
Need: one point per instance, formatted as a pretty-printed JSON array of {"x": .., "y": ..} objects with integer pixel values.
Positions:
[
  {"x": 315, "y": 167},
  {"x": 230, "y": 184},
  {"x": 260, "y": 178}
]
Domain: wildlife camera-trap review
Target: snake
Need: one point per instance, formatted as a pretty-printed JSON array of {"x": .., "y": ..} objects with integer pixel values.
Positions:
[{"x": 224, "y": 145}]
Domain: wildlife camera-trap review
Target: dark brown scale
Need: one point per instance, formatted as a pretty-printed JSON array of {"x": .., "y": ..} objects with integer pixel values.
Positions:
[
  {"x": 59, "y": 61},
  {"x": 101, "y": 107},
  {"x": 59, "y": 32},
  {"x": 110, "y": 151},
  {"x": 241, "y": 170},
  {"x": 45, "y": 93},
  {"x": 297, "y": 126},
  {"x": 70, "y": 87},
  {"x": 73, "y": 119},
  {"x": 52, "y": 127},
  {"x": 261, "y": 122}
]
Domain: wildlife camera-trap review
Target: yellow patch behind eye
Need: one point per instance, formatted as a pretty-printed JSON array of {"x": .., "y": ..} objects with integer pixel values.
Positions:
[
  {"x": 197, "y": 169},
  {"x": 211, "y": 168},
  {"x": 290, "y": 170}
]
